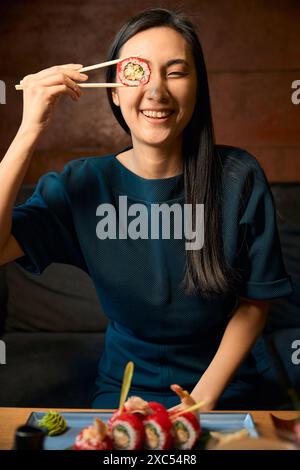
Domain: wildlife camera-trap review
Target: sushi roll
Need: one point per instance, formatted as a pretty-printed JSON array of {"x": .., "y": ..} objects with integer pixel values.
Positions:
[
  {"x": 115, "y": 415},
  {"x": 158, "y": 431},
  {"x": 133, "y": 71},
  {"x": 127, "y": 431},
  {"x": 94, "y": 437},
  {"x": 186, "y": 430}
]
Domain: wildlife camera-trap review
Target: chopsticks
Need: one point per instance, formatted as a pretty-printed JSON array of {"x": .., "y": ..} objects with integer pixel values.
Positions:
[
  {"x": 94, "y": 67},
  {"x": 103, "y": 64},
  {"x": 90, "y": 85},
  {"x": 194, "y": 407}
]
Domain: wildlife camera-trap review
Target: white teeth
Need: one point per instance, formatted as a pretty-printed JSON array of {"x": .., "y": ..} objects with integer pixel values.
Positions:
[{"x": 157, "y": 115}]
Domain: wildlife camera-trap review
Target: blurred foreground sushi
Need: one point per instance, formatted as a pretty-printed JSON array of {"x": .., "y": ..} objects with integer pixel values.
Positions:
[
  {"x": 158, "y": 430},
  {"x": 127, "y": 432},
  {"x": 187, "y": 431},
  {"x": 94, "y": 437}
]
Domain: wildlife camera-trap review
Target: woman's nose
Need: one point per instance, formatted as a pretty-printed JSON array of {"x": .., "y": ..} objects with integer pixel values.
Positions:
[{"x": 157, "y": 89}]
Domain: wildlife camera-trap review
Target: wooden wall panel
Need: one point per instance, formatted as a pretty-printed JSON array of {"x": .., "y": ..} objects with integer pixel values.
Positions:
[{"x": 252, "y": 51}]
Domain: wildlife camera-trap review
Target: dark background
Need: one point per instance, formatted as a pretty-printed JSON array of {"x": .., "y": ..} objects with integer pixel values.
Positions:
[{"x": 252, "y": 52}]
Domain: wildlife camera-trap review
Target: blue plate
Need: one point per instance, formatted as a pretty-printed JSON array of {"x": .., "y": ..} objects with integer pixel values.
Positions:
[{"x": 221, "y": 422}]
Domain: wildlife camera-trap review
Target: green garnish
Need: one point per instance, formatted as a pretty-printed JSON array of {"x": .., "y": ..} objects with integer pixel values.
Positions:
[{"x": 54, "y": 423}]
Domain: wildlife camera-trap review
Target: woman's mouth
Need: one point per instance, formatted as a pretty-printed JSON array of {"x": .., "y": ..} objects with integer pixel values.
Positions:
[{"x": 157, "y": 116}]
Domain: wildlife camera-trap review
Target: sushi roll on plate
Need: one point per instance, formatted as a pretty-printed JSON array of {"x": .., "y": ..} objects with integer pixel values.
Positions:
[
  {"x": 94, "y": 437},
  {"x": 158, "y": 431},
  {"x": 187, "y": 430},
  {"x": 133, "y": 71},
  {"x": 127, "y": 431}
]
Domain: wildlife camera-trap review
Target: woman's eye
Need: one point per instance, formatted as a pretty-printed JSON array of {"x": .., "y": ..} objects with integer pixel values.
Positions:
[{"x": 177, "y": 73}]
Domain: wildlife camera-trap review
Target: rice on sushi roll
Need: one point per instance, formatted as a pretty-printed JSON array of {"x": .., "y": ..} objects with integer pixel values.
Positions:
[
  {"x": 187, "y": 431},
  {"x": 94, "y": 437},
  {"x": 133, "y": 71},
  {"x": 127, "y": 431},
  {"x": 158, "y": 431}
]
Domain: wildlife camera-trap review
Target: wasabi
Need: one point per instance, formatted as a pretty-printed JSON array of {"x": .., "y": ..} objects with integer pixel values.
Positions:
[{"x": 54, "y": 423}]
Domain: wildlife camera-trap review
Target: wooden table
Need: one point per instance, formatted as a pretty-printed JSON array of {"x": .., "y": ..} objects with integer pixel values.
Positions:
[{"x": 11, "y": 418}]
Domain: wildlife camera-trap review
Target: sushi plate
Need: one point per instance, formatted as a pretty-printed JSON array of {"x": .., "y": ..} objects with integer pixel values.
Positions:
[{"x": 221, "y": 422}]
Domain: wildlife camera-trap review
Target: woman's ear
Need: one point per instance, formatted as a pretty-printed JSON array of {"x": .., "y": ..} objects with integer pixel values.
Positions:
[{"x": 115, "y": 97}]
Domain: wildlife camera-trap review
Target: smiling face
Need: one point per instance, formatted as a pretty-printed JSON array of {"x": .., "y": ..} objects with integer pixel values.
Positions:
[{"x": 158, "y": 111}]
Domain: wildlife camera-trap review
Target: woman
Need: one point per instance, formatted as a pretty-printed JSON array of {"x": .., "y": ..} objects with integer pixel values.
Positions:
[{"x": 183, "y": 316}]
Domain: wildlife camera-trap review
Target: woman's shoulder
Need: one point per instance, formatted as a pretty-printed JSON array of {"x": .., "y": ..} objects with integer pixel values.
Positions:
[
  {"x": 90, "y": 165},
  {"x": 231, "y": 156},
  {"x": 239, "y": 164},
  {"x": 85, "y": 171}
]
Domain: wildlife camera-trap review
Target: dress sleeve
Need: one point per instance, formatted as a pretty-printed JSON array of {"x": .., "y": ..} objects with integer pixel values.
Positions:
[
  {"x": 260, "y": 261},
  {"x": 44, "y": 228}
]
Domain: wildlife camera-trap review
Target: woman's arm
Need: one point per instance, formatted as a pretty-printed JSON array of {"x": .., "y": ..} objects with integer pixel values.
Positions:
[
  {"x": 241, "y": 333},
  {"x": 13, "y": 168},
  {"x": 40, "y": 95}
]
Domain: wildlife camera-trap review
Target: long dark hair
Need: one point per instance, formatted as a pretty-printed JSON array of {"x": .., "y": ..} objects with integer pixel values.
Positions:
[{"x": 206, "y": 270}]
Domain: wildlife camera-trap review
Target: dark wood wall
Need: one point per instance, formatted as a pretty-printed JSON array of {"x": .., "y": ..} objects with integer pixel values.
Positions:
[{"x": 252, "y": 51}]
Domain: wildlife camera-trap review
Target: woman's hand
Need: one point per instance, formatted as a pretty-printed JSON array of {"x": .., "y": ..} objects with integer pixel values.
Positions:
[
  {"x": 188, "y": 400},
  {"x": 42, "y": 91}
]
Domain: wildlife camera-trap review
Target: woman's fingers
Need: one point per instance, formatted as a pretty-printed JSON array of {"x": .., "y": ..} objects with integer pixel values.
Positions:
[
  {"x": 46, "y": 92},
  {"x": 51, "y": 71},
  {"x": 74, "y": 74},
  {"x": 56, "y": 69},
  {"x": 184, "y": 395},
  {"x": 177, "y": 389},
  {"x": 59, "y": 79},
  {"x": 63, "y": 89},
  {"x": 62, "y": 77},
  {"x": 57, "y": 75},
  {"x": 42, "y": 90}
]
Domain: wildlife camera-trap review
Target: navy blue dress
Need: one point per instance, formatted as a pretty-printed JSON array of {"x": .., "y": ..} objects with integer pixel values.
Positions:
[{"x": 170, "y": 337}]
